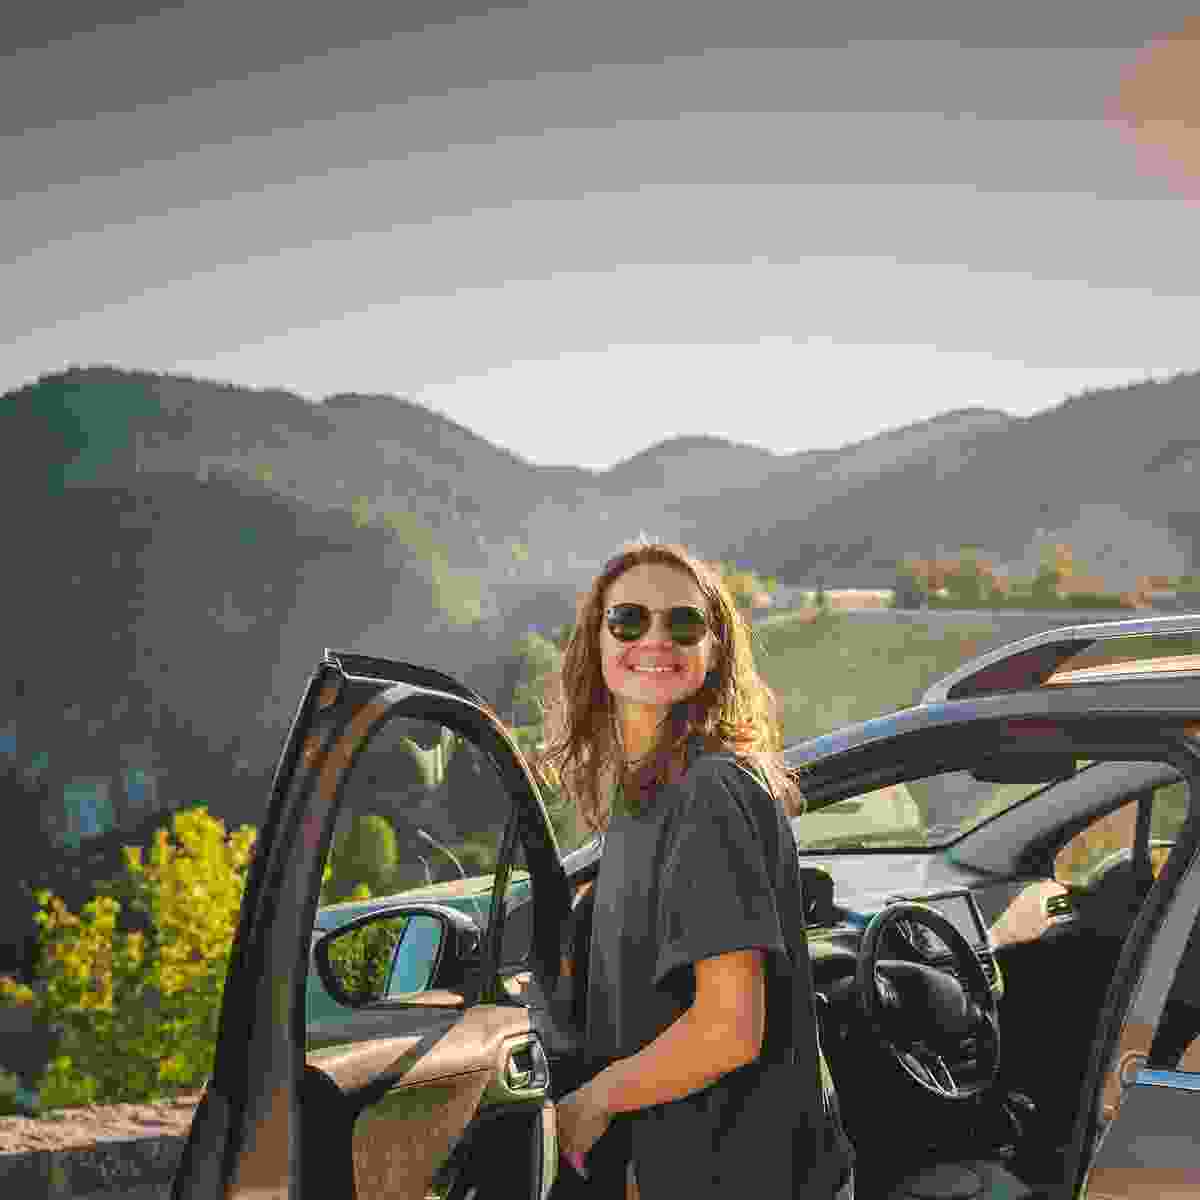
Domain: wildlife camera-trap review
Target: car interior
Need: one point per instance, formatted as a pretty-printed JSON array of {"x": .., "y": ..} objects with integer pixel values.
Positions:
[{"x": 936, "y": 1105}]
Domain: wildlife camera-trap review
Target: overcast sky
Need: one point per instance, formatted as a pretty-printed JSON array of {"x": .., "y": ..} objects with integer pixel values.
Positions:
[{"x": 579, "y": 228}]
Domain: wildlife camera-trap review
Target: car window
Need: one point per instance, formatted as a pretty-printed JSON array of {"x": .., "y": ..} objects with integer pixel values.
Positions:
[
  {"x": 926, "y": 812},
  {"x": 422, "y": 816},
  {"x": 1110, "y": 835},
  {"x": 1170, "y": 810}
]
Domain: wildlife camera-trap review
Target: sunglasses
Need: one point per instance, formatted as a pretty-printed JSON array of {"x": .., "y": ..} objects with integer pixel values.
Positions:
[{"x": 686, "y": 624}]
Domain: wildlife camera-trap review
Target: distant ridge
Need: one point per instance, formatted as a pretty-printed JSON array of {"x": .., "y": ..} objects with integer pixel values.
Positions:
[{"x": 1111, "y": 461}]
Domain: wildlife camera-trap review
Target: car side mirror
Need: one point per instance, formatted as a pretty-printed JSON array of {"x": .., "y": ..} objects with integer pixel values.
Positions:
[{"x": 394, "y": 953}]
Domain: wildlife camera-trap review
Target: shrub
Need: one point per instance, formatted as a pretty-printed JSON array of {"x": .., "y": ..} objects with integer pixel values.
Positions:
[
  {"x": 366, "y": 854},
  {"x": 538, "y": 661},
  {"x": 1094, "y": 600},
  {"x": 138, "y": 1007}
]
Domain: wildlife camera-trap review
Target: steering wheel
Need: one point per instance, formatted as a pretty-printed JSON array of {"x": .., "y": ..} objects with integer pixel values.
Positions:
[{"x": 921, "y": 1013}]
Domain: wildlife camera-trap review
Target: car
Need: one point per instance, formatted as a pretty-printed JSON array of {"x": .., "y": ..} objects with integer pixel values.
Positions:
[{"x": 1007, "y": 983}]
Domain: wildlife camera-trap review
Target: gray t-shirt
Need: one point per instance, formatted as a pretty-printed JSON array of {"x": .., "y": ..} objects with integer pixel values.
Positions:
[{"x": 704, "y": 872}]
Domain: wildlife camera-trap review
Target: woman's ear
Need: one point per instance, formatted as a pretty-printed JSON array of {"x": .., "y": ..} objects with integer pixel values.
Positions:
[{"x": 714, "y": 663}]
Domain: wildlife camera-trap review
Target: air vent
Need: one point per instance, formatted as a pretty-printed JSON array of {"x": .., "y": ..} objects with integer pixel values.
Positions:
[{"x": 988, "y": 962}]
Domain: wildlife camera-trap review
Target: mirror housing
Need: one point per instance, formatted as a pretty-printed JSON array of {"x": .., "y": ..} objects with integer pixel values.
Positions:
[{"x": 396, "y": 952}]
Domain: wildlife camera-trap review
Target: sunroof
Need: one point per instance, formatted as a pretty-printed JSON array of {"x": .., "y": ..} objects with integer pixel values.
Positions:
[
  {"x": 1137, "y": 655},
  {"x": 1107, "y": 649}
]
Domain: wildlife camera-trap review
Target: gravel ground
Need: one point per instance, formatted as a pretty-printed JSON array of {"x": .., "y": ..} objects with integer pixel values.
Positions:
[{"x": 76, "y": 1128}]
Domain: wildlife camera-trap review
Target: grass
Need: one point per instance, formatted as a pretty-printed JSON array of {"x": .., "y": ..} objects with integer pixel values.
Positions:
[{"x": 834, "y": 671}]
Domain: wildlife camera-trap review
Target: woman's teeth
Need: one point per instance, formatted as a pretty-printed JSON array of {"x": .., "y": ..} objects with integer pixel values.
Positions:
[{"x": 654, "y": 670}]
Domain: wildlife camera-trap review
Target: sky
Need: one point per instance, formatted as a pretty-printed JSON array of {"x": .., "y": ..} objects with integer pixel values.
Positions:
[{"x": 580, "y": 228}]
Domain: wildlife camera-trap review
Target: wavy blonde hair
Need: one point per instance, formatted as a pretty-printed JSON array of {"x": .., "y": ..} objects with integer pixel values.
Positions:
[{"x": 733, "y": 711}]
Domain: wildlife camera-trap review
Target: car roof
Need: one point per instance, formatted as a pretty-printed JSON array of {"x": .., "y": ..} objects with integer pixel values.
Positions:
[
  {"x": 1039, "y": 660},
  {"x": 1035, "y": 677}
]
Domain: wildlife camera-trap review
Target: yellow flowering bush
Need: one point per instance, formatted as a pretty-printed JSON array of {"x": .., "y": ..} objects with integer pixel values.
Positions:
[{"x": 138, "y": 1008}]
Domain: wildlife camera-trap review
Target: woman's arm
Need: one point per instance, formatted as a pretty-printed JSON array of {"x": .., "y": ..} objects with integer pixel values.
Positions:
[{"x": 721, "y": 1031}]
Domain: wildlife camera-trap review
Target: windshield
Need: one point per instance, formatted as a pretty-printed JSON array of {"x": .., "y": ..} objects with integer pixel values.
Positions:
[{"x": 917, "y": 814}]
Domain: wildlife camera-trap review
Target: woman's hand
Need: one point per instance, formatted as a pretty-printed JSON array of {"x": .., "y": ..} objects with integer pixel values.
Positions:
[{"x": 581, "y": 1122}]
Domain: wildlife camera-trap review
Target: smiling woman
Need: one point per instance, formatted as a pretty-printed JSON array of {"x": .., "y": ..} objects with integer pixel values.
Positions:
[{"x": 698, "y": 1018}]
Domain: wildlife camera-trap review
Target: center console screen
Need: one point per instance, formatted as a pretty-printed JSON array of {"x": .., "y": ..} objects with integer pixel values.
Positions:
[{"x": 960, "y": 912}]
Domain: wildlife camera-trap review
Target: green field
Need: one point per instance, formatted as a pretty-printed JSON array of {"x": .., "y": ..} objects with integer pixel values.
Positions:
[{"x": 834, "y": 670}]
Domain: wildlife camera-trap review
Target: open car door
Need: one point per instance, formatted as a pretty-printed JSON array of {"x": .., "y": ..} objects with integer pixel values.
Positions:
[{"x": 423, "y": 1075}]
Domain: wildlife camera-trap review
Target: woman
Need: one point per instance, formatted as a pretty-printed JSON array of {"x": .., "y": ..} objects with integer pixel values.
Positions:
[{"x": 666, "y": 739}]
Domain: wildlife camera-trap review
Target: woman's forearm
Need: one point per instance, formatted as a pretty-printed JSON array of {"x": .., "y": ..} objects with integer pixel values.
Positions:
[{"x": 688, "y": 1055}]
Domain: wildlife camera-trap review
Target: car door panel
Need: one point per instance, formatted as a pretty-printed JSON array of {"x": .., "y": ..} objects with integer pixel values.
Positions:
[
  {"x": 411, "y": 1099},
  {"x": 386, "y": 1020},
  {"x": 458, "y": 1044},
  {"x": 1154, "y": 1157},
  {"x": 402, "y": 1140}
]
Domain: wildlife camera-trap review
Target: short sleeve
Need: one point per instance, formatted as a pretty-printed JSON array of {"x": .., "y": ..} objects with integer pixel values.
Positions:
[{"x": 715, "y": 893}]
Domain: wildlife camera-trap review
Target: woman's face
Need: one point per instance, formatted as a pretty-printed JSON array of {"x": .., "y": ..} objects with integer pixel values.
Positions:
[{"x": 628, "y": 667}]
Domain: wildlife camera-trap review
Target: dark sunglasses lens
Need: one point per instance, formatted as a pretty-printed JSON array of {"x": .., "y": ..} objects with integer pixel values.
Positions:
[
  {"x": 628, "y": 622},
  {"x": 687, "y": 625}
]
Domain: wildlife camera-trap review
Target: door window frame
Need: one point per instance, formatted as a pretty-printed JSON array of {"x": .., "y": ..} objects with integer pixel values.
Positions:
[{"x": 1145, "y": 955}]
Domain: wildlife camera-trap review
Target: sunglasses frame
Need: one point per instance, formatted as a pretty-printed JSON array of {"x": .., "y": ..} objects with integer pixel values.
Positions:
[{"x": 647, "y": 615}]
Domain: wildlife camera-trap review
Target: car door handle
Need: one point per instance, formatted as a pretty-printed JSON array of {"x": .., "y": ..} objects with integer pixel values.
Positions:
[{"x": 526, "y": 1068}]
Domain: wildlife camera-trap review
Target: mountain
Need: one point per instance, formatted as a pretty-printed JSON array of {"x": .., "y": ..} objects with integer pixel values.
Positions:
[
  {"x": 738, "y": 515},
  {"x": 1110, "y": 472},
  {"x": 182, "y": 551}
]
